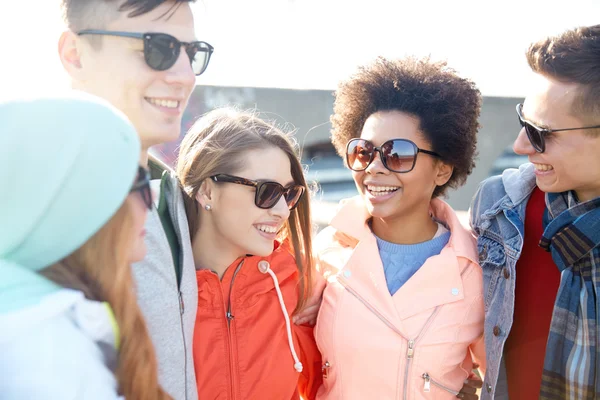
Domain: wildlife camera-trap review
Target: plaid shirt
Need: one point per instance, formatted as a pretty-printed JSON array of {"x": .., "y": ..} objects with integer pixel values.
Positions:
[{"x": 572, "y": 235}]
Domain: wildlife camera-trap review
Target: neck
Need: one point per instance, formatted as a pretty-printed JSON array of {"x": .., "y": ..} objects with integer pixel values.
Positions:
[
  {"x": 211, "y": 253},
  {"x": 587, "y": 195},
  {"x": 411, "y": 228}
]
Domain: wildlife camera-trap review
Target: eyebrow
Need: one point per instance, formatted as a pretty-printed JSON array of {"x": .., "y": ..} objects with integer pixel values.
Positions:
[
  {"x": 290, "y": 183},
  {"x": 539, "y": 125}
]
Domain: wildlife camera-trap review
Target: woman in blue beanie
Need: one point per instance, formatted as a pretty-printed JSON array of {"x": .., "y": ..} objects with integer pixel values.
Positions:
[{"x": 72, "y": 210}]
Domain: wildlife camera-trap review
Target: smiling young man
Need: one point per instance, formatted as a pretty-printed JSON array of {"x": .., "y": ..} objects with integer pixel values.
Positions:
[
  {"x": 538, "y": 233},
  {"x": 143, "y": 57}
]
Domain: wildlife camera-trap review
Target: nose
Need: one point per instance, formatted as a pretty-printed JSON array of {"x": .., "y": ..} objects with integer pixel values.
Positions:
[
  {"x": 522, "y": 144},
  {"x": 181, "y": 72},
  {"x": 376, "y": 166},
  {"x": 280, "y": 209}
]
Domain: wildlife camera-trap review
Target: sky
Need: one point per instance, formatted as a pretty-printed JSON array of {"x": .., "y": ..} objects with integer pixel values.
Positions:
[{"x": 313, "y": 44}]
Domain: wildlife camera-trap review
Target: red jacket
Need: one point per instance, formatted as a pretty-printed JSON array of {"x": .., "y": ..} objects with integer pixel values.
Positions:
[{"x": 241, "y": 348}]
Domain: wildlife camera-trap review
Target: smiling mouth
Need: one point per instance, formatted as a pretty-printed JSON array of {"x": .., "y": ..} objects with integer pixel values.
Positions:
[
  {"x": 543, "y": 167},
  {"x": 267, "y": 228},
  {"x": 172, "y": 104},
  {"x": 381, "y": 190}
]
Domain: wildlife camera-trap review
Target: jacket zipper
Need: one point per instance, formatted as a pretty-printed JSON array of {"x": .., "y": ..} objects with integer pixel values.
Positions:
[
  {"x": 411, "y": 346},
  {"x": 429, "y": 380},
  {"x": 181, "y": 311},
  {"x": 173, "y": 217},
  {"x": 411, "y": 342},
  {"x": 173, "y": 214},
  {"x": 230, "y": 317}
]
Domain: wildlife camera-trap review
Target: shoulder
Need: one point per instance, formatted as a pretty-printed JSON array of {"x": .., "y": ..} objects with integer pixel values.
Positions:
[
  {"x": 332, "y": 249},
  {"x": 54, "y": 359},
  {"x": 489, "y": 193},
  {"x": 511, "y": 188}
]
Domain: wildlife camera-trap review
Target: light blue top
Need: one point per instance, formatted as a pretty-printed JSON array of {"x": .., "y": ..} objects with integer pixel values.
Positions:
[{"x": 402, "y": 261}]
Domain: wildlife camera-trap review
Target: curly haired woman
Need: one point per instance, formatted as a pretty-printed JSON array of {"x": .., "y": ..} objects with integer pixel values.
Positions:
[{"x": 402, "y": 314}]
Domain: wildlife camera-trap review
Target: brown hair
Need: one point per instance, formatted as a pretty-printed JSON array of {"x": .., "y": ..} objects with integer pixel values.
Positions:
[
  {"x": 216, "y": 145},
  {"x": 96, "y": 14},
  {"x": 572, "y": 57},
  {"x": 100, "y": 269},
  {"x": 446, "y": 105}
]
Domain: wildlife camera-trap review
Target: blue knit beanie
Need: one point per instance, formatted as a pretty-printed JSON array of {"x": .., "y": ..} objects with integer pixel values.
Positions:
[{"x": 67, "y": 163}]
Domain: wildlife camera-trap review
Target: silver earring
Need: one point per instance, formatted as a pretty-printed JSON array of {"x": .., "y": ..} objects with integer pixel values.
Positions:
[{"x": 207, "y": 207}]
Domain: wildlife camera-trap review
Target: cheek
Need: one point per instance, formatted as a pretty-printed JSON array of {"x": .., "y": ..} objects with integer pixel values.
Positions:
[{"x": 358, "y": 179}]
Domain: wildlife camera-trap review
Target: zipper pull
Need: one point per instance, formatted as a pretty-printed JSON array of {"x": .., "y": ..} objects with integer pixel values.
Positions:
[
  {"x": 181, "y": 303},
  {"x": 325, "y": 369},
  {"x": 229, "y": 316},
  {"x": 411, "y": 349},
  {"x": 427, "y": 387}
]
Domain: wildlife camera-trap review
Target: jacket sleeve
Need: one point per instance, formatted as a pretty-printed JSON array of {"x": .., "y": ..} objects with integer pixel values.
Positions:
[
  {"x": 477, "y": 349},
  {"x": 54, "y": 363},
  {"x": 311, "y": 376}
]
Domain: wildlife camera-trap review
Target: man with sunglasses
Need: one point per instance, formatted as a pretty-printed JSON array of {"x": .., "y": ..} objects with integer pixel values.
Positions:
[
  {"x": 538, "y": 231},
  {"x": 143, "y": 57}
]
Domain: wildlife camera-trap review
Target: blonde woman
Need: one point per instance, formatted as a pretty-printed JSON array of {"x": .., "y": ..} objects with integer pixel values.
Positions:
[{"x": 72, "y": 212}]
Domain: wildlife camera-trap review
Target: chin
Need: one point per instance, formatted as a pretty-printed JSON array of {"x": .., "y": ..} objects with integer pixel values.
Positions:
[
  {"x": 261, "y": 250},
  {"x": 168, "y": 135}
]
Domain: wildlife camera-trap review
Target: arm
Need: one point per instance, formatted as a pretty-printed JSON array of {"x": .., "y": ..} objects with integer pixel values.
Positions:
[
  {"x": 309, "y": 314},
  {"x": 311, "y": 376}
]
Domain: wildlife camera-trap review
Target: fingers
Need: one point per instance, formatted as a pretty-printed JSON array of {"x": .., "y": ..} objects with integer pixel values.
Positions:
[
  {"x": 468, "y": 390},
  {"x": 473, "y": 382},
  {"x": 307, "y": 316},
  {"x": 465, "y": 396}
]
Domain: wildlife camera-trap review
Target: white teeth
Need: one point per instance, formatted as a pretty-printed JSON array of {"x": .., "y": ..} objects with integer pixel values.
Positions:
[
  {"x": 543, "y": 167},
  {"x": 164, "y": 102},
  {"x": 381, "y": 190},
  {"x": 267, "y": 228}
]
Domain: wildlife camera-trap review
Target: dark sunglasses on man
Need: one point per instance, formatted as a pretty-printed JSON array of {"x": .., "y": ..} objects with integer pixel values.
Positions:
[
  {"x": 537, "y": 135},
  {"x": 267, "y": 193},
  {"x": 397, "y": 155},
  {"x": 142, "y": 185},
  {"x": 161, "y": 50}
]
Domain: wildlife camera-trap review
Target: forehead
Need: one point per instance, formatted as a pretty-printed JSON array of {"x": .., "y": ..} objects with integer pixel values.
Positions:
[
  {"x": 169, "y": 17},
  {"x": 387, "y": 125},
  {"x": 549, "y": 102},
  {"x": 270, "y": 164}
]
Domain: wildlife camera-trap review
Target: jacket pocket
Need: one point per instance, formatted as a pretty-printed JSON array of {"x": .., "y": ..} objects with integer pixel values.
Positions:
[{"x": 428, "y": 381}]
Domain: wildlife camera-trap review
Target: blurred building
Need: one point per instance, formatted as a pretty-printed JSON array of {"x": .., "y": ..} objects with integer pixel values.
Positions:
[{"x": 307, "y": 113}]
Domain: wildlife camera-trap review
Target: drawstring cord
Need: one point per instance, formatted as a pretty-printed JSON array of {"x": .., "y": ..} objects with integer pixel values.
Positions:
[{"x": 264, "y": 267}]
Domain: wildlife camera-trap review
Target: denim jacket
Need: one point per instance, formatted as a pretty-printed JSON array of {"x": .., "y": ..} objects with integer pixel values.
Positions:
[{"x": 497, "y": 218}]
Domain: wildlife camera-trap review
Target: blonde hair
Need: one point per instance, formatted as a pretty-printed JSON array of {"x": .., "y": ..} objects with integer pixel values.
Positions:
[
  {"x": 100, "y": 269},
  {"x": 216, "y": 144}
]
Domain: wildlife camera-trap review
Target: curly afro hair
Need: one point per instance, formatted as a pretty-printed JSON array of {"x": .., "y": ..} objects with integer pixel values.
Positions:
[{"x": 446, "y": 105}]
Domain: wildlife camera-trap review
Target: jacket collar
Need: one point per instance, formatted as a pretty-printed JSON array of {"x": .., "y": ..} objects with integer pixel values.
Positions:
[
  {"x": 519, "y": 183},
  {"x": 352, "y": 219}
]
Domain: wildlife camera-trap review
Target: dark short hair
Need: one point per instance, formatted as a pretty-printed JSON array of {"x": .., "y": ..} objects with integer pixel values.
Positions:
[
  {"x": 86, "y": 14},
  {"x": 446, "y": 105},
  {"x": 572, "y": 57}
]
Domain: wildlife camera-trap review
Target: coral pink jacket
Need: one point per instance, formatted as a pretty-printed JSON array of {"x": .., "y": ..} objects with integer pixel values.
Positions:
[{"x": 416, "y": 344}]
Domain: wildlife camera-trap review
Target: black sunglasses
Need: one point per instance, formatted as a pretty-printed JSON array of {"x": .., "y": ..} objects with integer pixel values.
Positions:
[
  {"x": 161, "y": 51},
  {"x": 397, "y": 155},
  {"x": 142, "y": 185},
  {"x": 537, "y": 135},
  {"x": 267, "y": 193}
]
